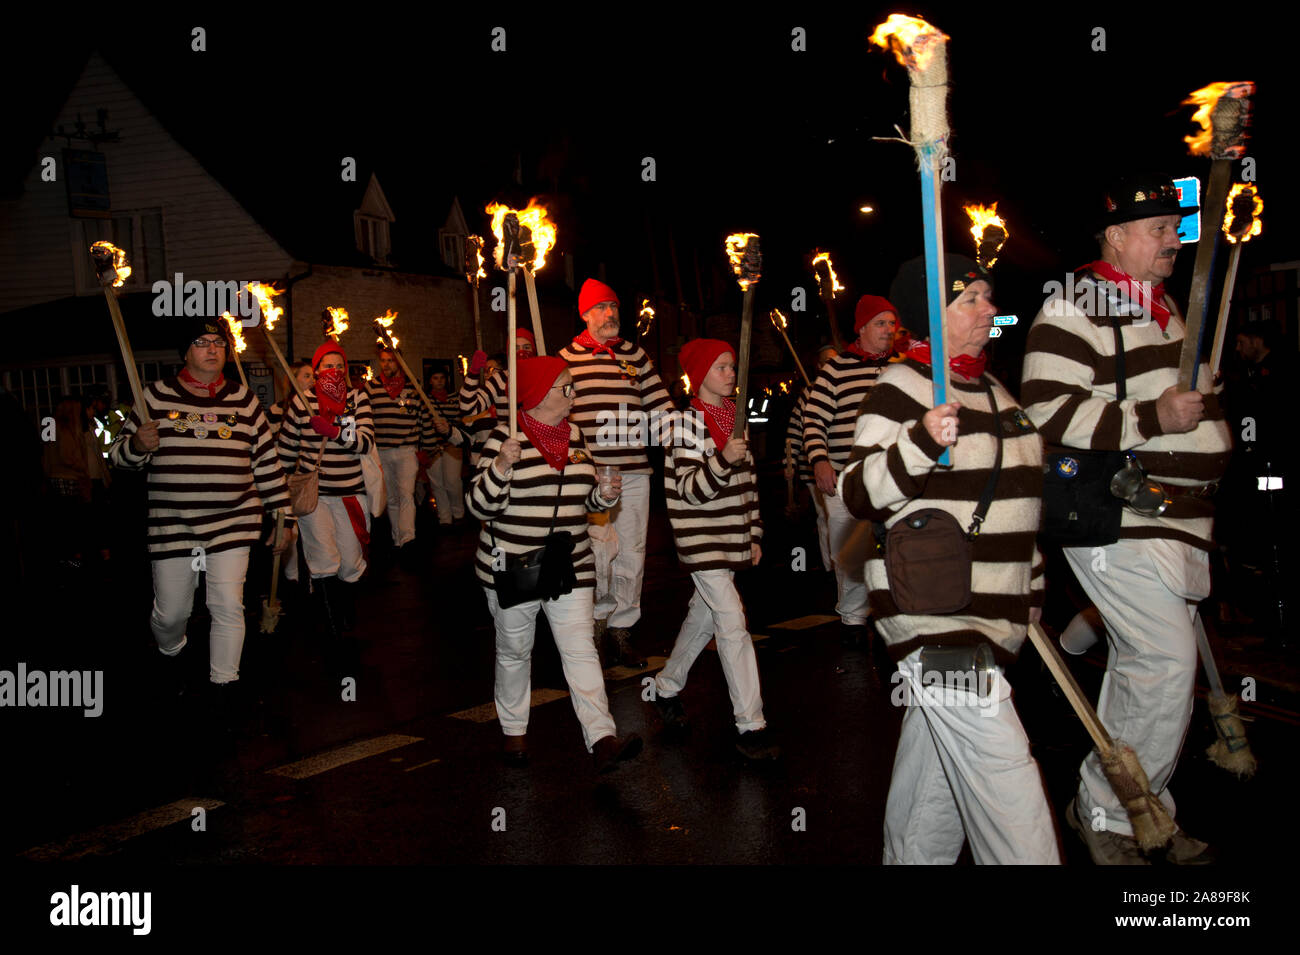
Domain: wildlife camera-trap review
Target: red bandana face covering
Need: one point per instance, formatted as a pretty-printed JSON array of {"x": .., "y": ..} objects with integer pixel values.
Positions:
[
  {"x": 393, "y": 385},
  {"x": 856, "y": 349},
  {"x": 721, "y": 420},
  {"x": 331, "y": 391},
  {"x": 189, "y": 379},
  {"x": 969, "y": 366},
  {"x": 586, "y": 340},
  {"x": 551, "y": 441},
  {"x": 1134, "y": 290},
  {"x": 438, "y": 395}
]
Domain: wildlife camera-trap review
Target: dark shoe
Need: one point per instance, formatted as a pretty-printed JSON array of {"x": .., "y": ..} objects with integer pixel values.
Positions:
[
  {"x": 627, "y": 656},
  {"x": 855, "y": 636},
  {"x": 329, "y": 605},
  {"x": 1184, "y": 850},
  {"x": 514, "y": 750},
  {"x": 610, "y": 750},
  {"x": 757, "y": 745},
  {"x": 225, "y": 707},
  {"x": 1105, "y": 847},
  {"x": 672, "y": 712},
  {"x": 169, "y": 675}
]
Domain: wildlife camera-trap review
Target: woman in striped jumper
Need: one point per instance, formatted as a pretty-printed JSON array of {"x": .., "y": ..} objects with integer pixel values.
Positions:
[
  {"x": 336, "y": 431},
  {"x": 212, "y": 476},
  {"x": 963, "y": 768},
  {"x": 713, "y": 506},
  {"x": 526, "y": 488}
]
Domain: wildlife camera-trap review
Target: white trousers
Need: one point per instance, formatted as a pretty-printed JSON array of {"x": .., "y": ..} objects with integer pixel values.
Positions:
[
  {"x": 1143, "y": 589},
  {"x": 631, "y": 516},
  {"x": 963, "y": 771},
  {"x": 716, "y": 611},
  {"x": 400, "y": 467},
  {"x": 448, "y": 493},
  {"x": 329, "y": 543},
  {"x": 570, "y": 620},
  {"x": 174, "y": 580},
  {"x": 851, "y": 581},
  {"x": 823, "y": 531},
  {"x": 604, "y": 548}
]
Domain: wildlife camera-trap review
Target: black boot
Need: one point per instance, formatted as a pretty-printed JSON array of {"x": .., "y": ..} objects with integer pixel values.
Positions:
[
  {"x": 168, "y": 675},
  {"x": 347, "y": 603}
]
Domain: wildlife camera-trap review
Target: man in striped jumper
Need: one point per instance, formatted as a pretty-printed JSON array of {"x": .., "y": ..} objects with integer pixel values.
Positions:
[
  {"x": 482, "y": 395},
  {"x": 713, "y": 506},
  {"x": 1148, "y": 583},
  {"x": 622, "y": 405},
  {"x": 404, "y": 430},
  {"x": 212, "y": 475},
  {"x": 443, "y": 461},
  {"x": 794, "y": 435},
  {"x": 829, "y": 418}
]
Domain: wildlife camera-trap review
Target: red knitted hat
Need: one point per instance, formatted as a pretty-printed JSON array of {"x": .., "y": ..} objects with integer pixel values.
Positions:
[
  {"x": 697, "y": 357},
  {"x": 593, "y": 293},
  {"x": 326, "y": 347},
  {"x": 869, "y": 306},
  {"x": 525, "y": 333},
  {"x": 535, "y": 378}
]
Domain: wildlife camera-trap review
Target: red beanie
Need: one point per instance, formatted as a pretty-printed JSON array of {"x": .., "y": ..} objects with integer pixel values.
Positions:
[
  {"x": 525, "y": 333},
  {"x": 697, "y": 357},
  {"x": 535, "y": 376},
  {"x": 326, "y": 347},
  {"x": 869, "y": 306},
  {"x": 593, "y": 293}
]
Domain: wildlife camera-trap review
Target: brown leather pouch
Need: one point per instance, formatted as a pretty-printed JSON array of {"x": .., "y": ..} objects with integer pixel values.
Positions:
[{"x": 928, "y": 559}]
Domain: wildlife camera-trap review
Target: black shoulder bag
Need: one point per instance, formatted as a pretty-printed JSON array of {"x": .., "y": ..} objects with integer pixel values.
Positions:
[
  {"x": 1079, "y": 509},
  {"x": 541, "y": 574},
  {"x": 928, "y": 555}
]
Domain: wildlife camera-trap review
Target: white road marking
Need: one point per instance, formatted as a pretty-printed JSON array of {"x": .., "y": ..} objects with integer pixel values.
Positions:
[
  {"x": 430, "y": 762},
  {"x": 487, "y": 712},
  {"x": 804, "y": 623},
  {"x": 334, "y": 758},
  {"x": 97, "y": 840}
]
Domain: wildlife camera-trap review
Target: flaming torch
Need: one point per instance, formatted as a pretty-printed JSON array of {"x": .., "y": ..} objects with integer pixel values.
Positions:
[
  {"x": 333, "y": 322},
  {"x": 112, "y": 270},
  {"x": 778, "y": 320},
  {"x": 1223, "y": 112},
  {"x": 383, "y": 329},
  {"x": 828, "y": 290},
  {"x": 747, "y": 262},
  {"x": 508, "y": 258},
  {"x": 271, "y": 313},
  {"x": 474, "y": 272},
  {"x": 990, "y": 232},
  {"x": 923, "y": 50},
  {"x": 1241, "y": 222},
  {"x": 645, "y": 318},
  {"x": 536, "y": 238},
  {"x": 237, "y": 339}
]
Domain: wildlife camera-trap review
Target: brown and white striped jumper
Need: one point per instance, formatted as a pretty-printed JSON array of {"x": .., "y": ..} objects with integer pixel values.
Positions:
[{"x": 831, "y": 411}]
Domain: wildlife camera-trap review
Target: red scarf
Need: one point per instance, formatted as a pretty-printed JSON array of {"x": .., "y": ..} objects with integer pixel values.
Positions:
[
  {"x": 394, "y": 385},
  {"x": 212, "y": 388},
  {"x": 721, "y": 420},
  {"x": 970, "y": 366},
  {"x": 331, "y": 391},
  {"x": 438, "y": 395},
  {"x": 587, "y": 341},
  {"x": 1135, "y": 291},
  {"x": 551, "y": 441},
  {"x": 855, "y": 349}
]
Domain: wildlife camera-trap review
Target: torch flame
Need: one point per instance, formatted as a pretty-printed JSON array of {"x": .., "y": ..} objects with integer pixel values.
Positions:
[
  {"x": 1230, "y": 228},
  {"x": 686, "y": 382},
  {"x": 386, "y": 322},
  {"x": 119, "y": 261},
  {"x": 785, "y": 387},
  {"x": 477, "y": 240},
  {"x": 778, "y": 319},
  {"x": 338, "y": 322},
  {"x": 982, "y": 218},
  {"x": 236, "y": 331},
  {"x": 533, "y": 218},
  {"x": 818, "y": 258},
  {"x": 910, "y": 39},
  {"x": 370, "y": 374},
  {"x": 736, "y": 244},
  {"x": 645, "y": 318},
  {"x": 1205, "y": 100},
  {"x": 270, "y": 311},
  {"x": 464, "y": 365}
]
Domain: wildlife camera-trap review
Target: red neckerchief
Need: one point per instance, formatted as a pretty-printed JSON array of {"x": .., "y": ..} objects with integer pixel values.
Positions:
[
  {"x": 587, "y": 341},
  {"x": 212, "y": 388},
  {"x": 721, "y": 420},
  {"x": 393, "y": 385},
  {"x": 551, "y": 441},
  {"x": 855, "y": 349},
  {"x": 331, "y": 391},
  {"x": 438, "y": 395},
  {"x": 1135, "y": 291},
  {"x": 971, "y": 366}
]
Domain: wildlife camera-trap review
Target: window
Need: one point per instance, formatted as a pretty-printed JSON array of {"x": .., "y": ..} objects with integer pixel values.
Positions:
[
  {"x": 453, "y": 251},
  {"x": 137, "y": 233},
  {"x": 39, "y": 390},
  {"x": 372, "y": 237}
]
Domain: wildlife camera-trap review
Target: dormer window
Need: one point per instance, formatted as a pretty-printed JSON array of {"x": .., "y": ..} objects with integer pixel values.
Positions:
[{"x": 372, "y": 237}]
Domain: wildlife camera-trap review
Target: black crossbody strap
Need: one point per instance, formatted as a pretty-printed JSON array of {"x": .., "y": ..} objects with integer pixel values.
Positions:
[
  {"x": 986, "y": 499},
  {"x": 1121, "y": 392}
]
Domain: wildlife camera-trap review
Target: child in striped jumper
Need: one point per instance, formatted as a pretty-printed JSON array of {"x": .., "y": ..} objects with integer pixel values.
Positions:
[{"x": 713, "y": 506}]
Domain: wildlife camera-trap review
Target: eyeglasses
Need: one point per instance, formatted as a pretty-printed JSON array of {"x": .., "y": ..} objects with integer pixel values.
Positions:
[
  {"x": 209, "y": 343},
  {"x": 566, "y": 390}
]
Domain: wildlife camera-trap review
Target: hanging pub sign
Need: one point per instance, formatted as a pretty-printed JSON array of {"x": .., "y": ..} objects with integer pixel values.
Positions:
[{"x": 85, "y": 173}]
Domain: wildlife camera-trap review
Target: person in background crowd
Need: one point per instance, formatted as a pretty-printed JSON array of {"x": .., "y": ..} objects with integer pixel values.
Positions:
[
  {"x": 444, "y": 460},
  {"x": 794, "y": 436},
  {"x": 525, "y": 490},
  {"x": 67, "y": 462},
  {"x": 306, "y": 378}
]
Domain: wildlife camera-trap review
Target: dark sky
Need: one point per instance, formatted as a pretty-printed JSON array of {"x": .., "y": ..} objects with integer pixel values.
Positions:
[{"x": 746, "y": 134}]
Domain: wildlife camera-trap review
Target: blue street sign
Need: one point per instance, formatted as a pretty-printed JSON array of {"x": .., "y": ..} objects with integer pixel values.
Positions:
[
  {"x": 999, "y": 321},
  {"x": 1189, "y": 194}
]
